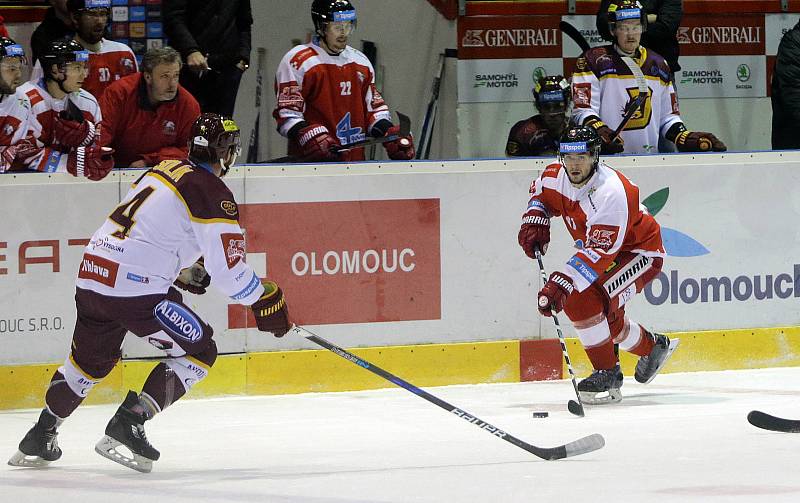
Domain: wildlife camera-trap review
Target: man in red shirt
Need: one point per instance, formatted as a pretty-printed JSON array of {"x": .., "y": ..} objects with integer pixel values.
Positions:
[{"x": 147, "y": 117}]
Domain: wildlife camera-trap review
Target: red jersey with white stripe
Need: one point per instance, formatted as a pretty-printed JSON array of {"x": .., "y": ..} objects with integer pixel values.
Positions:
[
  {"x": 604, "y": 218},
  {"x": 113, "y": 61},
  {"x": 335, "y": 91}
]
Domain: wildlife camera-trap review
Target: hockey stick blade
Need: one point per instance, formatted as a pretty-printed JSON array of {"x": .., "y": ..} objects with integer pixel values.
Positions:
[
  {"x": 576, "y": 36},
  {"x": 581, "y": 446},
  {"x": 575, "y": 408},
  {"x": 773, "y": 423},
  {"x": 403, "y": 122}
]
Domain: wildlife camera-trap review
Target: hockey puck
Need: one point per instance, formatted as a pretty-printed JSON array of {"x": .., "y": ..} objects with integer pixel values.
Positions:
[{"x": 541, "y": 414}]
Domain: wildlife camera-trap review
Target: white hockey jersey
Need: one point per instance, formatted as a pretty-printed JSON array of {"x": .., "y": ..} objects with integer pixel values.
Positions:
[
  {"x": 603, "y": 85},
  {"x": 174, "y": 214},
  {"x": 15, "y": 112}
]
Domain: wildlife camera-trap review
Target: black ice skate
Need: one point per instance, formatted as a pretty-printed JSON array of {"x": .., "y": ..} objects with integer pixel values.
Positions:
[
  {"x": 648, "y": 366},
  {"x": 126, "y": 428},
  {"x": 602, "y": 387},
  {"x": 40, "y": 445}
]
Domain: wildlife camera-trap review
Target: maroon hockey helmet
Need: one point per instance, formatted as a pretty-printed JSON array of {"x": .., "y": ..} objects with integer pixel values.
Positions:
[{"x": 215, "y": 139}]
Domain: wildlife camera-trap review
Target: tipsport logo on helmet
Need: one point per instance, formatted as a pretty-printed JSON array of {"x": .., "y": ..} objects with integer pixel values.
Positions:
[
  {"x": 551, "y": 97},
  {"x": 624, "y": 14},
  {"x": 345, "y": 15},
  {"x": 177, "y": 320},
  {"x": 98, "y": 4},
  {"x": 574, "y": 148},
  {"x": 14, "y": 50}
]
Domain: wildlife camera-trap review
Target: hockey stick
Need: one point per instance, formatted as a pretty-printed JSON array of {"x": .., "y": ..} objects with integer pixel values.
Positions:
[
  {"x": 405, "y": 128},
  {"x": 573, "y": 406},
  {"x": 426, "y": 137},
  {"x": 773, "y": 423},
  {"x": 581, "y": 446},
  {"x": 576, "y": 36},
  {"x": 252, "y": 147}
]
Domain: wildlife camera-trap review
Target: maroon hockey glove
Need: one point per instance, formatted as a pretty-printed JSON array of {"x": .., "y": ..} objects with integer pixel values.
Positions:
[
  {"x": 73, "y": 134},
  {"x": 535, "y": 232},
  {"x": 402, "y": 149},
  {"x": 271, "y": 312},
  {"x": 316, "y": 142},
  {"x": 697, "y": 141},
  {"x": 194, "y": 279},
  {"x": 92, "y": 162},
  {"x": 609, "y": 146},
  {"x": 554, "y": 294}
]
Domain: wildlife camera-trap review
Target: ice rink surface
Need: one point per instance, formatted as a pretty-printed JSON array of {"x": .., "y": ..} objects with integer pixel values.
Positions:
[{"x": 684, "y": 437}]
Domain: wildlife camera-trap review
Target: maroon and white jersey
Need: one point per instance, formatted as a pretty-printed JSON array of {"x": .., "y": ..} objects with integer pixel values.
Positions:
[
  {"x": 337, "y": 92},
  {"x": 113, "y": 61},
  {"x": 175, "y": 213},
  {"x": 530, "y": 137},
  {"x": 603, "y": 85}
]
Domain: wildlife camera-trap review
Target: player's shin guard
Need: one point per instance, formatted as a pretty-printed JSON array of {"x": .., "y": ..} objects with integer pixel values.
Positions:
[
  {"x": 40, "y": 445},
  {"x": 68, "y": 387},
  {"x": 169, "y": 381}
]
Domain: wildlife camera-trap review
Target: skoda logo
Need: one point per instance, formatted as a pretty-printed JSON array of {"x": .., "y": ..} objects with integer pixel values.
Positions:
[
  {"x": 743, "y": 73},
  {"x": 538, "y": 73}
]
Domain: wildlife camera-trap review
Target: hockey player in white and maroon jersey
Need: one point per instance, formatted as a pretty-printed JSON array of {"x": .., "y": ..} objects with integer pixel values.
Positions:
[
  {"x": 176, "y": 213},
  {"x": 604, "y": 84},
  {"x": 619, "y": 251},
  {"x": 326, "y": 94},
  {"x": 29, "y": 121}
]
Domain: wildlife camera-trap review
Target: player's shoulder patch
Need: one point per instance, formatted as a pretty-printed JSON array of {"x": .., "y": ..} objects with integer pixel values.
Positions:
[
  {"x": 205, "y": 195},
  {"x": 301, "y": 57},
  {"x": 551, "y": 170},
  {"x": 656, "y": 66},
  {"x": 34, "y": 95}
]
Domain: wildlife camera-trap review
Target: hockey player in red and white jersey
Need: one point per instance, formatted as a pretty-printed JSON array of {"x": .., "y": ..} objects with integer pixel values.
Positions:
[
  {"x": 326, "y": 94},
  {"x": 15, "y": 108},
  {"x": 176, "y": 213},
  {"x": 619, "y": 251},
  {"x": 538, "y": 135},
  {"x": 604, "y": 84},
  {"x": 65, "y": 118}
]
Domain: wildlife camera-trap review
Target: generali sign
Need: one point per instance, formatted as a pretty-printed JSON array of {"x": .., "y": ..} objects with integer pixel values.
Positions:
[
  {"x": 508, "y": 37},
  {"x": 743, "y": 34},
  {"x": 349, "y": 261}
]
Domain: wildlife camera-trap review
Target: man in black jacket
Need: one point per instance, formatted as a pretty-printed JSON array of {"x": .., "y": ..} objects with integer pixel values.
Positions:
[
  {"x": 213, "y": 36},
  {"x": 57, "y": 25},
  {"x": 663, "y": 21},
  {"x": 786, "y": 93}
]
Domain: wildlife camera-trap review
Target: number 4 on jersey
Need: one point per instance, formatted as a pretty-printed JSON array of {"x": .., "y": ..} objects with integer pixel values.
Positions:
[{"x": 123, "y": 214}]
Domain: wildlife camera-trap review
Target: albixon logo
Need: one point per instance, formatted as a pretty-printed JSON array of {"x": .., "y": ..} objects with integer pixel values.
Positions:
[{"x": 677, "y": 288}]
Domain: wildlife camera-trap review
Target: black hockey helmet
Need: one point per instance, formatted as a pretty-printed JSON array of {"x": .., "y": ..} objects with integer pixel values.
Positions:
[
  {"x": 77, "y": 6},
  {"x": 580, "y": 140},
  {"x": 214, "y": 139},
  {"x": 327, "y": 11},
  {"x": 61, "y": 52},
  {"x": 622, "y": 10},
  {"x": 551, "y": 94},
  {"x": 11, "y": 49}
]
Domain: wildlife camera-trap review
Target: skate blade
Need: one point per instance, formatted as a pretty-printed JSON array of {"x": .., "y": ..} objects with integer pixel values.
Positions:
[
  {"x": 107, "y": 447},
  {"x": 673, "y": 345},
  {"x": 23, "y": 460},
  {"x": 602, "y": 397}
]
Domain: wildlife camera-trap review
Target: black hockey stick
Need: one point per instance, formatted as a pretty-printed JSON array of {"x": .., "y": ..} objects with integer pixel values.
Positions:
[
  {"x": 581, "y": 446},
  {"x": 576, "y": 36},
  {"x": 573, "y": 406},
  {"x": 255, "y": 134},
  {"x": 426, "y": 136},
  {"x": 630, "y": 110},
  {"x": 405, "y": 128},
  {"x": 773, "y": 423}
]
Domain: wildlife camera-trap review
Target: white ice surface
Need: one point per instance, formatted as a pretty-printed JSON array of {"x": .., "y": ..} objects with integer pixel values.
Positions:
[{"x": 684, "y": 437}]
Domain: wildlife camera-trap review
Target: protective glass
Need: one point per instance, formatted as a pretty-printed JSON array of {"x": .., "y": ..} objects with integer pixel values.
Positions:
[
  {"x": 633, "y": 28},
  {"x": 341, "y": 28},
  {"x": 77, "y": 68}
]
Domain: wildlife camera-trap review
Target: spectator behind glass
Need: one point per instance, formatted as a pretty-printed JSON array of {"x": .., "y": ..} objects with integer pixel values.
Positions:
[
  {"x": 147, "y": 117},
  {"x": 663, "y": 21},
  {"x": 57, "y": 25},
  {"x": 786, "y": 93},
  {"x": 213, "y": 36}
]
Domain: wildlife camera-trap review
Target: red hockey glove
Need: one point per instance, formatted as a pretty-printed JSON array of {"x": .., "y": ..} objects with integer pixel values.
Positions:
[
  {"x": 316, "y": 142},
  {"x": 73, "y": 134},
  {"x": 534, "y": 232},
  {"x": 19, "y": 153},
  {"x": 194, "y": 279},
  {"x": 271, "y": 312},
  {"x": 554, "y": 294},
  {"x": 697, "y": 141},
  {"x": 402, "y": 149},
  {"x": 92, "y": 162},
  {"x": 606, "y": 134}
]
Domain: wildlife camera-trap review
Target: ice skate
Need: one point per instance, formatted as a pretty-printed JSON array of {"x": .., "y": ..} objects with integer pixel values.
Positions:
[
  {"x": 126, "y": 429},
  {"x": 648, "y": 366},
  {"x": 40, "y": 445},
  {"x": 602, "y": 387}
]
